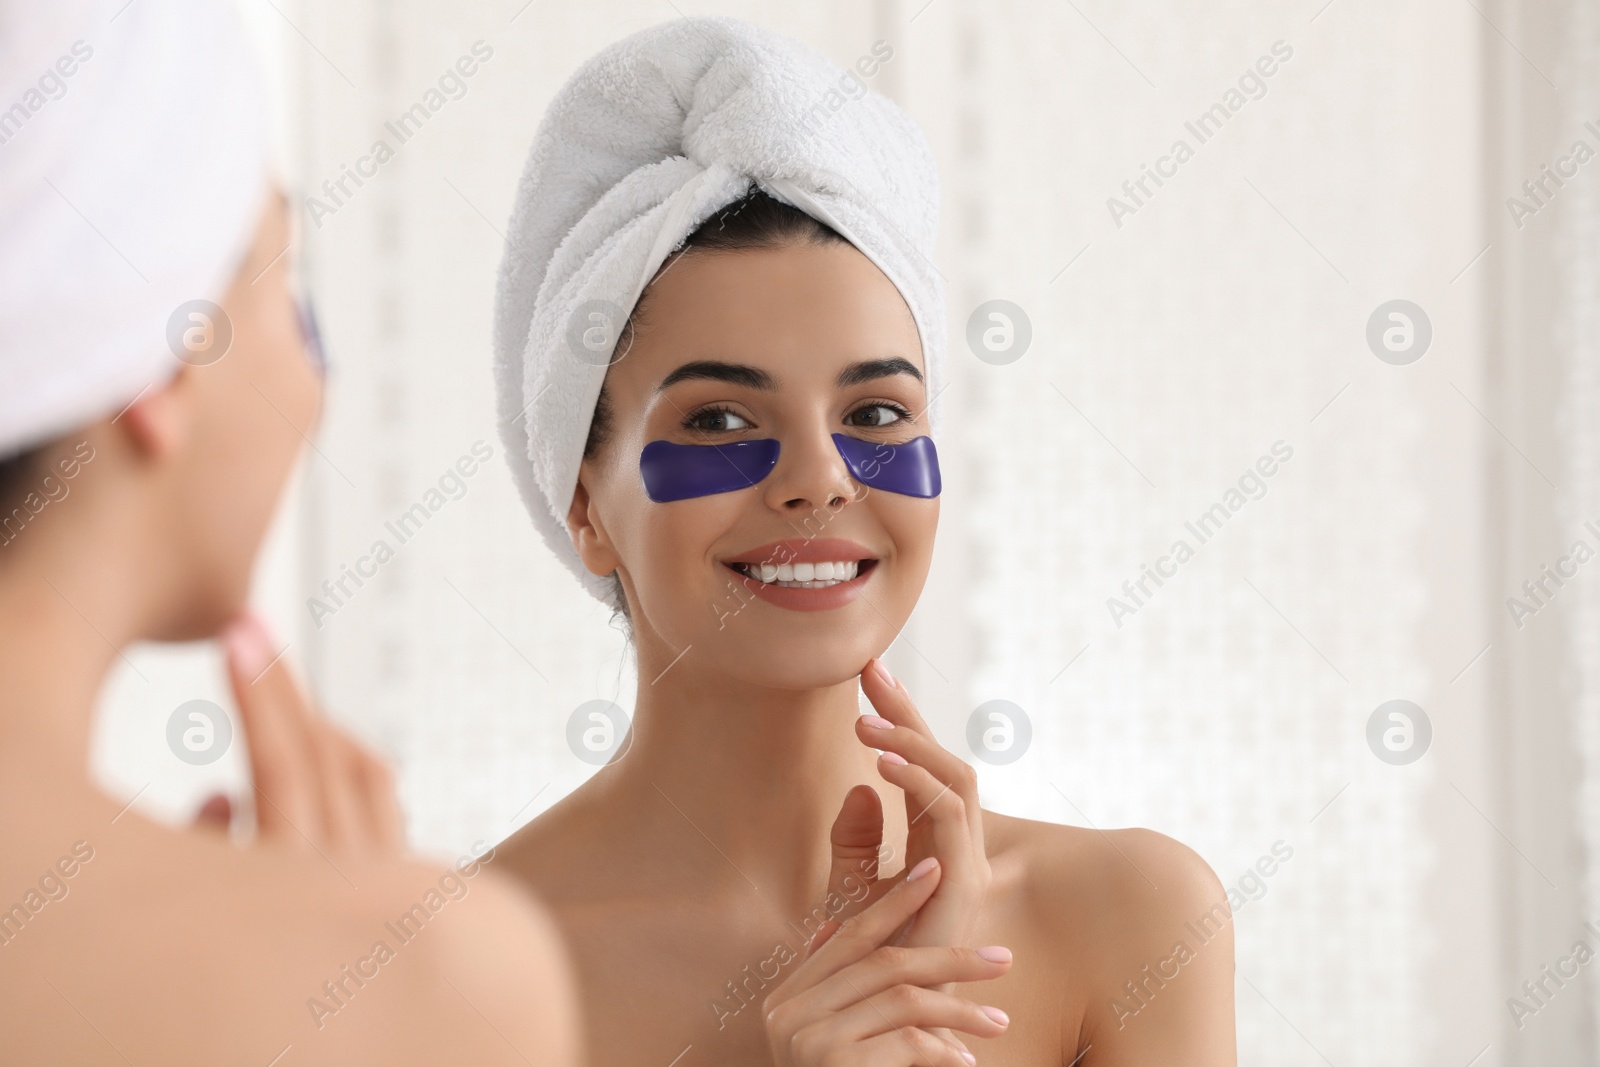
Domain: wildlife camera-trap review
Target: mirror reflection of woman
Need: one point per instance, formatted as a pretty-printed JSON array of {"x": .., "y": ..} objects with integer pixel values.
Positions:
[
  {"x": 785, "y": 294},
  {"x": 140, "y": 466}
]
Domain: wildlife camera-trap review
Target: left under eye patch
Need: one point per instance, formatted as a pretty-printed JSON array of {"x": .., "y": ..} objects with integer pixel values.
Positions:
[
  {"x": 679, "y": 472},
  {"x": 911, "y": 469}
]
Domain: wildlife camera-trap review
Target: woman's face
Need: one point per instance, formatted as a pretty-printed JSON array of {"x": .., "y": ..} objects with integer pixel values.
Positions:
[
  {"x": 253, "y": 410},
  {"x": 794, "y": 343}
]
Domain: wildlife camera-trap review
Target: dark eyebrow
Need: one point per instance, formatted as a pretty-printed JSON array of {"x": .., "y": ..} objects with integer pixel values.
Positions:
[
  {"x": 873, "y": 369},
  {"x": 718, "y": 371},
  {"x": 756, "y": 378}
]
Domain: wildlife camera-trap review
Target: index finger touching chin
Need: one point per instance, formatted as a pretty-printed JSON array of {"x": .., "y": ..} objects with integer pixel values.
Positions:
[{"x": 888, "y": 694}]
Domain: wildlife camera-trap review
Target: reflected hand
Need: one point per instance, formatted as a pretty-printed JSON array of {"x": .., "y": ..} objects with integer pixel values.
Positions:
[{"x": 315, "y": 785}]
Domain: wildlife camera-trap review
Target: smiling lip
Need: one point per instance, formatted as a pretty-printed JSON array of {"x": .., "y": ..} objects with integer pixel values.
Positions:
[
  {"x": 803, "y": 550},
  {"x": 806, "y": 550}
]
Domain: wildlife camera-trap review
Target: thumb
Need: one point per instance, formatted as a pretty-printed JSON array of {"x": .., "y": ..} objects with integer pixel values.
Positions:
[{"x": 856, "y": 838}]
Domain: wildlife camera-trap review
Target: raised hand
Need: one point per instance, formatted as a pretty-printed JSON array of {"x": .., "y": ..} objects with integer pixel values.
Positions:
[
  {"x": 315, "y": 786},
  {"x": 856, "y": 1001},
  {"x": 942, "y": 814}
]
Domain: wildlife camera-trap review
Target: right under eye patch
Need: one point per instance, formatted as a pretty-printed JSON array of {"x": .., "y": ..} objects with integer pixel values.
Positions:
[{"x": 677, "y": 472}]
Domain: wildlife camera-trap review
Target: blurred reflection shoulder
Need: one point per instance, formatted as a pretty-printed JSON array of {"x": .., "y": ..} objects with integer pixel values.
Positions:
[{"x": 178, "y": 948}]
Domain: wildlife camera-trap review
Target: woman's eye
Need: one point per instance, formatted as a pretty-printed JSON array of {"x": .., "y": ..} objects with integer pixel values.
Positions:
[
  {"x": 718, "y": 421},
  {"x": 876, "y": 415}
]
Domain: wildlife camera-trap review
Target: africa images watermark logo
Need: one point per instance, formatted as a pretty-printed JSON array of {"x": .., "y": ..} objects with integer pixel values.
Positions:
[
  {"x": 51, "y": 85},
  {"x": 746, "y": 989},
  {"x": 1540, "y": 590},
  {"x": 1251, "y": 85},
  {"x": 1141, "y": 990},
  {"x": 337, "y": 191},
  {"x": 451, "y": 886},
  {"x": 52, "y": 887},
  {"x": 52, "y": 489},
  {"x": 1252, "y": 485},
  {"x": 338, "y": 591}
]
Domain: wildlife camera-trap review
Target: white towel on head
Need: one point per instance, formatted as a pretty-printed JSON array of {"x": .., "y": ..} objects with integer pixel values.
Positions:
[
  {"x": 641, "y": 145},
  {"x": 132, "y": 175}
]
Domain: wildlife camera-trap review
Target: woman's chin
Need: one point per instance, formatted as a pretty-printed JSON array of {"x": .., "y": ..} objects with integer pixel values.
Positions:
[
  {"x": 799, "y": 669},
  {"x": 204, "y": 607}
]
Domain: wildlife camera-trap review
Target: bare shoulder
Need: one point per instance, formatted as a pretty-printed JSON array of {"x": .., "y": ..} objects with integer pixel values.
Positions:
[
  {"x": 486, "y": 968},
  {"x": 1142, "y": 930},
  {"x": 1076, "y": 873},
  {"x": 552, "y": 854},
  {"x": 508, "y": 937},
  {"x": 351, "y": 960}
]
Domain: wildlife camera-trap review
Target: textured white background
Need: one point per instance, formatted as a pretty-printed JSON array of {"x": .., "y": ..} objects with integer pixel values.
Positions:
[{"x": 1168, "y": 354}]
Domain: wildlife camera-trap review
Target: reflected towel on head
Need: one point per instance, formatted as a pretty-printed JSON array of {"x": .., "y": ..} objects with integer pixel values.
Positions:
[
  {"x": 645, "y": 142},
  {"x": 133, "y": 171}
]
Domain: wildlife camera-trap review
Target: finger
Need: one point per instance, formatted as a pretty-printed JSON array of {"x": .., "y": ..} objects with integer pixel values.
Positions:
[
  {"x": 343, "y": 802},
  {"x": 865, "y": 932},
  {"x": 880, "y": 733},
  {"x": 215, "y": 814},
  {"x": 906, "y": 1048},
  {"x": 915, "y": 741},
  {"x": 889, "y": 695},
  {"x": 953, "y": 773},
  {"x": 856, "y": 838},
  {"x": 935, "y": 810},
  {"x": 946, "y": 1034},
  {"x": 909, "y": 1005},
  {"x": 282, "y": 761},
  {"x": 820, "y": 938},
  {"x": 888, "y": 967},
  {"x": 832, "y": 926},
  {"x": 380, "y": 801},
  {"x": 931, "y": 803}
]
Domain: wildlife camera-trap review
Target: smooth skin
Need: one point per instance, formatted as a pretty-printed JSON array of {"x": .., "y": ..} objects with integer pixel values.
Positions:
[
  {"x": 749, "y": 792},
  {"x": 160, "y": 946}
]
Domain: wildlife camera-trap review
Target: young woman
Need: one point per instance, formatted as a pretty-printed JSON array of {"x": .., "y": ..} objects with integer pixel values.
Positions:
[
  {"x": 132, "y": 513},
  {"x": 748, "y": 808}
]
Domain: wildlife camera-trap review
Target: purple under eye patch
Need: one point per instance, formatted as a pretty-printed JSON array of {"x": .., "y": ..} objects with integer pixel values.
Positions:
[
  {"x": 678, "y": 472},
  {"x": 911, "y": 469}
]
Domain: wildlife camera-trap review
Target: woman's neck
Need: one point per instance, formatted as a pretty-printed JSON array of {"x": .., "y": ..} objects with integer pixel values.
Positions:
[
  {"x": 61, "y": 630},
  {"x": 747, "y": 781}
]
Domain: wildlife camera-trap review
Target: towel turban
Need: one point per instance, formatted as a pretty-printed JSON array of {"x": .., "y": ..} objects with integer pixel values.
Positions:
[
  {"x": 133, "y": 172},
  {"x": 644, "y": 143}
]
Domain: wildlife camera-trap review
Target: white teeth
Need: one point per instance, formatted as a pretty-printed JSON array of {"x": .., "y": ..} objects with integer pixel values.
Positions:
[{"x": 804, "y": 575}]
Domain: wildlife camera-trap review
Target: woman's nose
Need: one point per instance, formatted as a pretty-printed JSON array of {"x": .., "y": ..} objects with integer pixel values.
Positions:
[{"x": 810, "y": 474}]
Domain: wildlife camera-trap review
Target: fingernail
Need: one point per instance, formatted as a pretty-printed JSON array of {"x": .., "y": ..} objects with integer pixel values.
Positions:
[
  {"x": 878, "y": 721},
  {"x": 893, "y": 758},
  {"x": 247, "y": 646},
  {"x": 997, "y": 1015},
  {"x": 969, "y": 1057},
  {"x": 883, "y": 672},
  {"x": 264, "y": 634},
  {"x": 995, "y": 953},
  {"x": 922, "y": 868}
]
